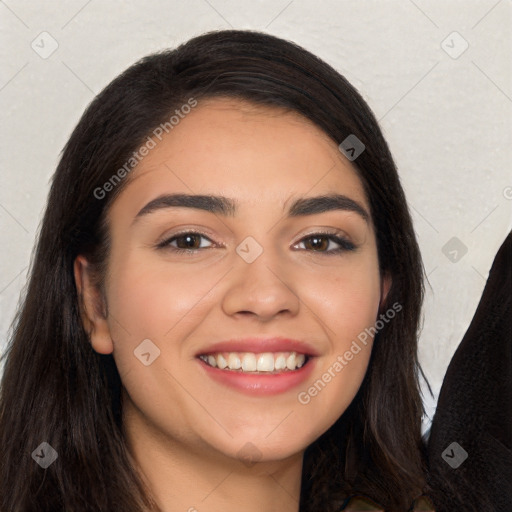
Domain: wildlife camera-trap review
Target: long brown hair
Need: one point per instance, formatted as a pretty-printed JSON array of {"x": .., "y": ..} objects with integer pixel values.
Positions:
[{"x": 57, "y": 389}]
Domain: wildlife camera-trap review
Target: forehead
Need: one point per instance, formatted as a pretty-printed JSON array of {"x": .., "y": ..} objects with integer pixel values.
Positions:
[{"x": 243, "y": 150}]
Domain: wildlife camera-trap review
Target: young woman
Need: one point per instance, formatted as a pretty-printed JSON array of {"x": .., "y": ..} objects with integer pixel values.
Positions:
[{"x": 223, "y": 307}]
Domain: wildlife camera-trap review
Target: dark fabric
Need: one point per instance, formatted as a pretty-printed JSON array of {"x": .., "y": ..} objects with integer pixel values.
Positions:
[
  {"x": 360, "y": 504},
  {"x": 475, "y": 406}
]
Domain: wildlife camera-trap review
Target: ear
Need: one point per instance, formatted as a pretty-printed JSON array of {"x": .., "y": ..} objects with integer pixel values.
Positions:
[
  {"x": 92, "y": 307},
  {"x": 385, "y": 286}
]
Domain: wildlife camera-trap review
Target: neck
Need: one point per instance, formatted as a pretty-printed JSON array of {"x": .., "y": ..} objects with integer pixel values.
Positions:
[{"x": 192, "y": 478}]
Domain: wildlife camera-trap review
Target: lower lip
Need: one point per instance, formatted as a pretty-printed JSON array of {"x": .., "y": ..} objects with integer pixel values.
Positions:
[{"x": 260, "y": 384}]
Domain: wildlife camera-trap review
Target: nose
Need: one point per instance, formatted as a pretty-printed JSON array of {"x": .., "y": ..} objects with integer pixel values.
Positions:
[{"x": 261, "y": 288}]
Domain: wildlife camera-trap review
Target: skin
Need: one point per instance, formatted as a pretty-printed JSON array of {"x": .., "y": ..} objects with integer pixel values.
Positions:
[{"x": 184, "y": 430}]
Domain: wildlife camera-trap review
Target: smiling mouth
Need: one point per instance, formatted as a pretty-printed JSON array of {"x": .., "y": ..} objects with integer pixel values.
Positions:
[{"x": 261, "y": 363}]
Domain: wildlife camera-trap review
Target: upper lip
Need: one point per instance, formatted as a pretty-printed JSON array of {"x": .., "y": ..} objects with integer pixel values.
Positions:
[{"x": 260, "y": 345}]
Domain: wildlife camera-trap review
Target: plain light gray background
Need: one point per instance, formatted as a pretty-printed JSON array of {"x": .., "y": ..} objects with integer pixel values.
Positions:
[{"x": 437, "y": 74}]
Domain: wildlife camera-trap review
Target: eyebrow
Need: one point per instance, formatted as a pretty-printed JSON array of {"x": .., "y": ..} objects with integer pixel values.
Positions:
[{"x": 227, "y": 207}]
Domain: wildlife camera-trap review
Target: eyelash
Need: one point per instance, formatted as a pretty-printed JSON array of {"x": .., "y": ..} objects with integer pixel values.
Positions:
[{"x": 345, "y": 245}]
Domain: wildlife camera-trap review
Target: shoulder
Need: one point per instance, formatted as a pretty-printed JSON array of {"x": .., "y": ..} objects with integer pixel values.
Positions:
[{"x": 360, "y": 504}]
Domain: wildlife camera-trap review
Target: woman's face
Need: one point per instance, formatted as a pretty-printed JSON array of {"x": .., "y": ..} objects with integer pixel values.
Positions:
[{"x": 257, "y": 286}]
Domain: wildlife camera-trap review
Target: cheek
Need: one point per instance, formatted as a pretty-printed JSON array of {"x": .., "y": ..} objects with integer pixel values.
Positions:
[
  {"x": 348, "y": 299},
  {"x": 348, "y": 303},
  {"x": 149, "y": 299},
  {"x": 153, "y": 301}
]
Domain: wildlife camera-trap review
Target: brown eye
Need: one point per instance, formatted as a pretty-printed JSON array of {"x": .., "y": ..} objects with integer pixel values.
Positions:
[
  {"x": 317, "y": 243},
  {"x": 189, "y": 241},
  {"x": 320, "y": 242},
  {"x": 184, "y": 242}
]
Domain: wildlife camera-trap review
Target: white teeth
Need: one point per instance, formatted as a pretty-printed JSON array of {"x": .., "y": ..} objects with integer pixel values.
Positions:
[
  {"x": 248, "y": 362},
  {"x": 221, "y": 362},
  {"x": 290, "y": 362},
  {"x": 234, "y": 362},
  {"x": 280, "y": 363},
  {"x": 266, "y": 362}
]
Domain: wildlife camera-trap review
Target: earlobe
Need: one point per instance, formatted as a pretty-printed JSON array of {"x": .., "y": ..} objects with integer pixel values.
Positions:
[
  {"x": 384, "y": 287},
  {"x": 92, "y": 308}
]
